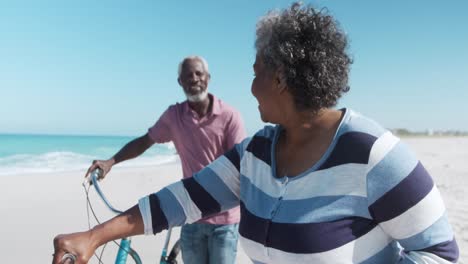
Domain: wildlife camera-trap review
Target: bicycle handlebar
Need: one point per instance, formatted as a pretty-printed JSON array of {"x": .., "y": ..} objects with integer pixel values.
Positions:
[{"x": 93, "y": 179}]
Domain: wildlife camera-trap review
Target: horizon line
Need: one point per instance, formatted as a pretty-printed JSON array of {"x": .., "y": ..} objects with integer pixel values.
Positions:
[{"x": 398, "y": 131}]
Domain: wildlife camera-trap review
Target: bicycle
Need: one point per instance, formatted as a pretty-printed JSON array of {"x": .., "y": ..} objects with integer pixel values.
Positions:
[{"x": 124, "y": 246}]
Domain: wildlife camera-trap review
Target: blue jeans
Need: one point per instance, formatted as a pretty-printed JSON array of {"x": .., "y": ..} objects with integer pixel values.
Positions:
[{"x": 206, "y": 243}]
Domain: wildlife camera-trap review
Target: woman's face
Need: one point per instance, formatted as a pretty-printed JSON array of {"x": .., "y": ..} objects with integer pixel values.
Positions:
[{"x": 265, "y": 90}]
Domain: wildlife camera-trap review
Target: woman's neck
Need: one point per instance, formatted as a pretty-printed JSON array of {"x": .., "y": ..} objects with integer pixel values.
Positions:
[{"x": 307, "y": 127}]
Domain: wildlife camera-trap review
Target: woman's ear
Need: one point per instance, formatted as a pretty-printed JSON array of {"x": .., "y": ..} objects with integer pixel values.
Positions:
[{"x": 281, "y": 82}]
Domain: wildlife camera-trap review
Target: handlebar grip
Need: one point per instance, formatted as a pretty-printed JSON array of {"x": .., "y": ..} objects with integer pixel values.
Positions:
[
  {"x": 68, "y": 258},
  {"x": 97, "y": 174}
]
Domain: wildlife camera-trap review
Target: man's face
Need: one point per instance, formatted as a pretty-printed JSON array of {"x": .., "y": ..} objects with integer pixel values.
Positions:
[{"x": 194, "y": 80}]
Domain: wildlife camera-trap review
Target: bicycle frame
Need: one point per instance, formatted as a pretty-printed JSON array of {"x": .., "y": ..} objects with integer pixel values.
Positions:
[{"x": 124, "y": 251}]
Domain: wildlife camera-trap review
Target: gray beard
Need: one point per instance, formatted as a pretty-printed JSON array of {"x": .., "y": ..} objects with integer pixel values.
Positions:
[{"x": 195, "y": 98}]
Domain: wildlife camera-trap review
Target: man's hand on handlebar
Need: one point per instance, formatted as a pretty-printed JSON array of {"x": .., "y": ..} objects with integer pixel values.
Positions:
[{"x": 104, "y": 165}]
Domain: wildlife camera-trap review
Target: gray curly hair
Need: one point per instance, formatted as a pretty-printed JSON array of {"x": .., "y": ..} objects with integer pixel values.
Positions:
[{"x": 309, "y": 49}]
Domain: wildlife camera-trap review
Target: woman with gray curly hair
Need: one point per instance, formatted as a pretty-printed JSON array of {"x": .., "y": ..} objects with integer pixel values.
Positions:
[{"x": 321, "y": 186}]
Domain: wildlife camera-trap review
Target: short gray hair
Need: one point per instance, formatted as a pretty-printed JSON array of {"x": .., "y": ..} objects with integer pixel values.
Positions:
[
  {"x": 309, "y": 49},
  {"x": 194, "y": 57}
]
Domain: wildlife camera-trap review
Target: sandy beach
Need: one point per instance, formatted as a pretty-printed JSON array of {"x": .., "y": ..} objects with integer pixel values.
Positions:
[{"x": 37, "y": 207}]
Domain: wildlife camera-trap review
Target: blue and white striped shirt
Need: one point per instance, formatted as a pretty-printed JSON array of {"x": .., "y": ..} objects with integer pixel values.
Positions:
[{"x": 367, "y": 200}]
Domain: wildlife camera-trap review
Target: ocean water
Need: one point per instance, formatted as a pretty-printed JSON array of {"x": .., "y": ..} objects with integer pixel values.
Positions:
[{"x": 24, "y": 154}]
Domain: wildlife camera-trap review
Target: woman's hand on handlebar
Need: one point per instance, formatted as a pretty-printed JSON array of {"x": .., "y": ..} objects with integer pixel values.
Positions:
[{"x": 78, "y": 244}]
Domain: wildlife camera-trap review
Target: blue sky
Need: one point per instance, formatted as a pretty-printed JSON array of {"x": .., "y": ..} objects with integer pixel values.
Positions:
[{"x": 110, "y": 67}]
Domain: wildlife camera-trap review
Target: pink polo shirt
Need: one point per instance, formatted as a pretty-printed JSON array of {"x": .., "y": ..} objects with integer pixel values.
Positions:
[{"x": 199, "y": 141}]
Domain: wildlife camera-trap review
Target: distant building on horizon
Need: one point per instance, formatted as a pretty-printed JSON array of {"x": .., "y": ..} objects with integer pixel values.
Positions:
[{"x": 428, "y": 132}]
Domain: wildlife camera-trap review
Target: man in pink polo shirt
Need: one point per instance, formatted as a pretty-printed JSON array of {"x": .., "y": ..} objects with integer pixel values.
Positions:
[{"x": 202, "y": 129}]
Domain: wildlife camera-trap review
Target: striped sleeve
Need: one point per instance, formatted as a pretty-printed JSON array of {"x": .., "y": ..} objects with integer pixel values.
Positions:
[
  {"x": 214, "y": 189},
  {"x": 405, "y": 202}
]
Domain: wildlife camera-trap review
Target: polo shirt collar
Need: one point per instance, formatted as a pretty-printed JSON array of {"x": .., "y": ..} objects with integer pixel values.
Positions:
[{"x": 216, "y": 108}]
